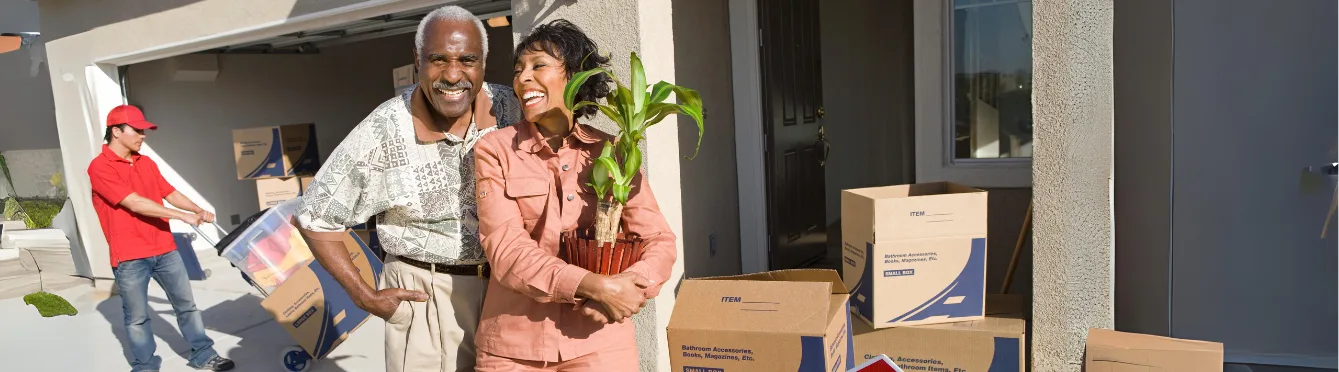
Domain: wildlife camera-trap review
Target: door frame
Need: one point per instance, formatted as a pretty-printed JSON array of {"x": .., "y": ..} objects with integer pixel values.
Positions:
[
  {"x": 746, "y": 74},
  {"x": 932, "y": 160}
]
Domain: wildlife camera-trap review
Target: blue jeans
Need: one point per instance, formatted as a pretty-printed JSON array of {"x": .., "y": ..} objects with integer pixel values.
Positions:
[{"x": 132, "y": 279}]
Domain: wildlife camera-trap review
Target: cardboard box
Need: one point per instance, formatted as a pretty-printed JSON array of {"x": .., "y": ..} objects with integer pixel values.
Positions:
[
  {"x": 404, "y": 76},
  {"x": 314, "y": 309},
  {"x": 995, "y": 344},
  {"x": 1112, "y": 351},
  {"x": 915, "y": 254},
  {"x": 788, "y": 320},
  {"x": 276, "y": 152},
  {"x": 272, "y": 191}
]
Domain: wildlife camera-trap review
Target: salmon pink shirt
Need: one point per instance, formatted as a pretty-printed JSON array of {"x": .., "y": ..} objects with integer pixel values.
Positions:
[{"x": 528, "y": 196}]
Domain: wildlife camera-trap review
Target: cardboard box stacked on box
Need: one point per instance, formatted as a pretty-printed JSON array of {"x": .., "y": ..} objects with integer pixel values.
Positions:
[
  {"x": 914, "y": 257},
  {"x": 282, "y": 161}
]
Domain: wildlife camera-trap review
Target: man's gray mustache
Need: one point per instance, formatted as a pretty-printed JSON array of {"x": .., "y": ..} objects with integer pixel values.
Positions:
[{"x": 448, "y": 86}]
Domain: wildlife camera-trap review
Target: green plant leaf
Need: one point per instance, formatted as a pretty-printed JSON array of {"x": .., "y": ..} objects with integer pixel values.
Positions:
[
  {"x": 610, "y": 111},
  {"x": 600, "y": 175},
  {"x": 658, "y": 112},
  {"x": 574, "y": 85},
  {"x": 660, "y": 92},
  {"x": 638, "y": 86},
  {"x": 626, "y": 108},
  {"x": 632, "y": 163},
  {"x": 612, "y": 167},
  {"x": 581, "y": 104},
  {"x": 621, "y": 193},
  {"x": 690, "y": 103}
]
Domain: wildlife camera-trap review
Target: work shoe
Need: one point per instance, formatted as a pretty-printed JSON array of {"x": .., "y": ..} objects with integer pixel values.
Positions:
[{"x": 217, "y": 363}]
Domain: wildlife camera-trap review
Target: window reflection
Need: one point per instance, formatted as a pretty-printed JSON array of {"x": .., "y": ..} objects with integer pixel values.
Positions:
[{"x": 992, "y": 84}]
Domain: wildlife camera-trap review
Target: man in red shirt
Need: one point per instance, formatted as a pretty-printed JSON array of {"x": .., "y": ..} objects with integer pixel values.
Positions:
[{"x": 128, "y": 194}]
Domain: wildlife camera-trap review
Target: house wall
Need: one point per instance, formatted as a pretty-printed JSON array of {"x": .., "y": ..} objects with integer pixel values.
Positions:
[
  {"x": 27, "y": 115},
  {"x": 1072, "y": 179},
  {"x": 711, "y": 232},
  {"x": 1142, "y": 43}
]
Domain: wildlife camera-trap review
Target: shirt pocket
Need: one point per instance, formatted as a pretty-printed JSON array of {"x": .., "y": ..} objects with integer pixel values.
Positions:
[{"x": 530, "y": 194}]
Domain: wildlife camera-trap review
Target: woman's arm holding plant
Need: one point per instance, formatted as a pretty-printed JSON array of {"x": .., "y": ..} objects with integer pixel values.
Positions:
[{"x": 642, "y": 216}]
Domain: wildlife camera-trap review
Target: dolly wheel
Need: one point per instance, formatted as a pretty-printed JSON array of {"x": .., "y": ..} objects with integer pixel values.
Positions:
[{"x": 295, "y": 359}]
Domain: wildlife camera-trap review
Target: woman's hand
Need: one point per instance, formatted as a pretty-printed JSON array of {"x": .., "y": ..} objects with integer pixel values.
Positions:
[
  {"x": 621, "y": 295},
  {"x": 593, "y": 311}
]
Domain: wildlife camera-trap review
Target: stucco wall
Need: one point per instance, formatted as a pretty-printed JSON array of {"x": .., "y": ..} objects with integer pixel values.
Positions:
[
  {"x": 1072, "y": 178},
  {"x": 646, "y": 27},
  {"x": 27, "y": 116}
]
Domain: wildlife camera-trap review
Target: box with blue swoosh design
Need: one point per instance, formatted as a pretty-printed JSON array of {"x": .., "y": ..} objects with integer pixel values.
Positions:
[
  {"x": 314, "y": 309},
  {"x": 915, "y": 254},
  {"x": 276, "y": 151},
  {"x": 786, "y": 320}
]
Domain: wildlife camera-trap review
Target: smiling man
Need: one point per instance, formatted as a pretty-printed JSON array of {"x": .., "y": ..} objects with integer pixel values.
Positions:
[{"x": 411, "y": 164}]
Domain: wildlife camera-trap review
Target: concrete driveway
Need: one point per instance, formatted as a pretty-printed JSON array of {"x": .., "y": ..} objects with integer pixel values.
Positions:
[{"x": 94, "y": 339}]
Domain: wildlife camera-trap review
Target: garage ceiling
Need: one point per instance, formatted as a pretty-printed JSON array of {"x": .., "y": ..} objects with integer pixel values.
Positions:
[{"x": 311, "y": 41}]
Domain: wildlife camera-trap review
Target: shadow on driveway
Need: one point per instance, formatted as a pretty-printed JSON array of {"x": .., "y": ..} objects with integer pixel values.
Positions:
[{"x": 260, "y": 341}]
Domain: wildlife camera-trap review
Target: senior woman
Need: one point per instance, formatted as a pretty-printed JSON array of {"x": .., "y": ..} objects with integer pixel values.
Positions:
[{"x": 540, "y": 313}]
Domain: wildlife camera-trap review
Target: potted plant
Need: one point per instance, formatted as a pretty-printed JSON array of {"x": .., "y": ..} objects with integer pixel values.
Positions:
[{"x": 633, "y": 108}]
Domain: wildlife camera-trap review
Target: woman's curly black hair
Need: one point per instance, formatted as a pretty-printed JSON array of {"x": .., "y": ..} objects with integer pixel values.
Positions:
[{"x": 566, "y": 42}]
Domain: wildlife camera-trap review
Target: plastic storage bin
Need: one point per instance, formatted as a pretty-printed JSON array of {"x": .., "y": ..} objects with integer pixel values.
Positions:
[{"x": 270, "y": 249}]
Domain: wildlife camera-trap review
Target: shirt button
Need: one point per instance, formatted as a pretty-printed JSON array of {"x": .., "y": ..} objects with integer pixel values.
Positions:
[
  {"x": 564, "y": 167},
  {"x": 571, "y": 197}
]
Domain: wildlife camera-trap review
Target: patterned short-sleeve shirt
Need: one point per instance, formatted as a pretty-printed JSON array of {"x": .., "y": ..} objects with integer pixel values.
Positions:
[{"x": 422, "y": 193}]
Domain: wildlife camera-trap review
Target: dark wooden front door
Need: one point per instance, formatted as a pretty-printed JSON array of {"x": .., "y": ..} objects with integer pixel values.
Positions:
[{"x": 793, "y": 125}]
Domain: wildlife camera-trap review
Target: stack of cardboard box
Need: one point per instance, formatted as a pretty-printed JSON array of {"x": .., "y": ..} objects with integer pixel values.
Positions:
[
  {"x": 281, "y": 159},
  {"x": 915, "y": 258}
]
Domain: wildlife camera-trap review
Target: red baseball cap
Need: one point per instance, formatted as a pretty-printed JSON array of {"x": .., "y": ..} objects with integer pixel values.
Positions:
[{"x": 127, "y": 114}]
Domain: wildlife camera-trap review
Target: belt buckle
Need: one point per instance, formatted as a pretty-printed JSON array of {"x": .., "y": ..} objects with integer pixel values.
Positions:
[{"x": 480, "y": 269}]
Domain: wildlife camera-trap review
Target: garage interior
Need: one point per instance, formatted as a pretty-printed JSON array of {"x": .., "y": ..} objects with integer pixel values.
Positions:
[{"x": 332, "y": 77}]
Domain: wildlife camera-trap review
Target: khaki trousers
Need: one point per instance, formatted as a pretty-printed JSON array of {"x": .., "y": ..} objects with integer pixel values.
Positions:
[
  {"x": 621, "y": 358},
  {"x": 437, "y": 335}
]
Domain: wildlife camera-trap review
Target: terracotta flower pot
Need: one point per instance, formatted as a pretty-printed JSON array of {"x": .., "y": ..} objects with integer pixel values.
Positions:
[{"x": 580, "y": 248}]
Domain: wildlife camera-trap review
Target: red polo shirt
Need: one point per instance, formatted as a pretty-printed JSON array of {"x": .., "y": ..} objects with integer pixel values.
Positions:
[{"x": 129, "y": 236}]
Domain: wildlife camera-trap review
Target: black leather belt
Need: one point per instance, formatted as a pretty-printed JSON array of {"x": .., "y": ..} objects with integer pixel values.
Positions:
[{"x": 480, "y": 270}]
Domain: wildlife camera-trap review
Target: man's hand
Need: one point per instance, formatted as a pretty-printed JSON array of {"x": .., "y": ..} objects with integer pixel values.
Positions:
[
  {"x": 384, "y": 302},
  {"x": 190, "y": 218},
  {"x": 622, "y": 295},
  {"x": 206, "y": 216}
]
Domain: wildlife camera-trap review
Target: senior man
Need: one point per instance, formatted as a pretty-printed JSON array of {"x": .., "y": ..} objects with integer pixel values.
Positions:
[{"x": 411, "y": 164}]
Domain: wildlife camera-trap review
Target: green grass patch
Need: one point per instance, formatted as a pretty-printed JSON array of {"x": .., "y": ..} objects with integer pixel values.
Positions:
[{"x": 50, "y": 305}]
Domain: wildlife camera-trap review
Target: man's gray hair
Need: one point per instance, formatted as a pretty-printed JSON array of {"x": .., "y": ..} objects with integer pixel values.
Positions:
[{"x": 450, "y": 13}]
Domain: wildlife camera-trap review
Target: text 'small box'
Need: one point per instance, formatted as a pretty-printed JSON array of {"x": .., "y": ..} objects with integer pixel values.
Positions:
[{"x": 915, "y": 254}]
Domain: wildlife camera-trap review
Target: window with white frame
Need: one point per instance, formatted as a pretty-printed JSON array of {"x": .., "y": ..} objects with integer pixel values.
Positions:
[
  {"x": 973, "y": 79},
  {"x": 991, "y": 79}
]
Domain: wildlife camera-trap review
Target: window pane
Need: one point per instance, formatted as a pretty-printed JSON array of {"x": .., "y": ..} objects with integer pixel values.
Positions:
[{"x": 992, "y": 84}]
